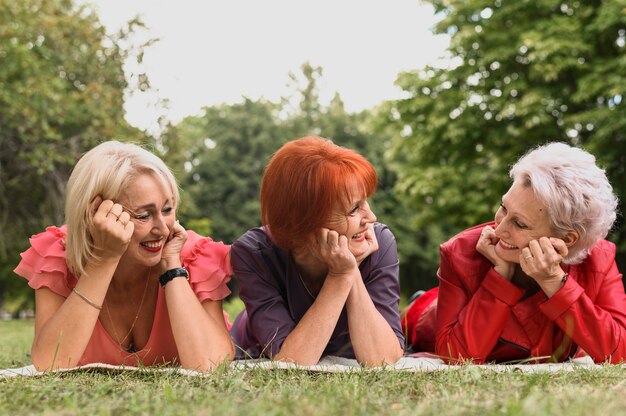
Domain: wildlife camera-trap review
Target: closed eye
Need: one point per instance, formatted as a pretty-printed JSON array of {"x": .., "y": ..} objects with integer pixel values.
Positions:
[
  {"x": 354, "y": 209},
  {"x": 132, "y": 213},
  {"x": 520, "y": 225}
]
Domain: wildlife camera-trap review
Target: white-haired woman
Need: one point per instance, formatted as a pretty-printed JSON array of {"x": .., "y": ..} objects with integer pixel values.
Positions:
[
  {"x": 123, "y": 282},
  {"x": 539, "y": 282}
]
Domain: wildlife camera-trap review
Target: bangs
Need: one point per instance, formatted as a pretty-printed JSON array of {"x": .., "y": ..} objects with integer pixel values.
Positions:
[{"x": 354, "y": 178}]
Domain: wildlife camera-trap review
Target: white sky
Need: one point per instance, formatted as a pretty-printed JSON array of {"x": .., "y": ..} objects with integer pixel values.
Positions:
[{"x": 213, "y": 52}]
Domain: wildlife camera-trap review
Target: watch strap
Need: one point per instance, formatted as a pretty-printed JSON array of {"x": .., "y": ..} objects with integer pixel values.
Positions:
[{"x": 172, "y": 274}]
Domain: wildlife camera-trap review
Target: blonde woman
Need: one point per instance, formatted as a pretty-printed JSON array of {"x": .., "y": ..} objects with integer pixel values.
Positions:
[{"x": 123, "y": 282}]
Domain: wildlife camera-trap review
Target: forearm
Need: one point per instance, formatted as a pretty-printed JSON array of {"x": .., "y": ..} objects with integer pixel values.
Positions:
[
  {"x": 63, "y": 327},
  {"x": 373, "y": 340},
  {"x": 201, "y": 337},
  {"x": 469, "y": 327},
  {"x": 597, "y": 325},
  {"x": 307, "y": 342}
]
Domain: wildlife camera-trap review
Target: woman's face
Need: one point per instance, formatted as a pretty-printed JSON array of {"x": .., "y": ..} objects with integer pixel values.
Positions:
[
  {"x": 153, "y": 202},
  {"x": 352, "y": 221},
  {"x": 520, "y": 219}
]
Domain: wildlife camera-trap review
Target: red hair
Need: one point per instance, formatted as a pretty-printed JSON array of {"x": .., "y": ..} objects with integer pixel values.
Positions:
[{"x": 302, "y": 183}]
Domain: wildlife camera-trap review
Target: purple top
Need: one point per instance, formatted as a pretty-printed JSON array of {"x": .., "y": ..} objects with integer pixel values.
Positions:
[{"x": 275, "y": 304}]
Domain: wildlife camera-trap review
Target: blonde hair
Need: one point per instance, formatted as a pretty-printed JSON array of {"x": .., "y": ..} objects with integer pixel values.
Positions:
[
  {"x": 105, "y": 171},
  {"x": 575, "y": 191}
]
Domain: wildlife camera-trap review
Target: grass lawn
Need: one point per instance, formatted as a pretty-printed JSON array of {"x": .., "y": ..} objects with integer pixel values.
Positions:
[{"x": 468, "y": 390}]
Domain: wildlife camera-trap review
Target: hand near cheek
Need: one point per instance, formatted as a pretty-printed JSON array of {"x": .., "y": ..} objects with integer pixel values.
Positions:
[
  {"x": 542, "y": 260},
  {"x": 110, "y": 228},
  {"x": 370, "y": 238},
  {"x": 170, "y": 258},
  {"x": 486, "y": 246},
  {"x": 333, "y": 249}
]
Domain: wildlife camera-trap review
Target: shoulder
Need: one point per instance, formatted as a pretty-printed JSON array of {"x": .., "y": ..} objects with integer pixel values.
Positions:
[
  {"x": 387, "y": 253},
  {"x": 52, "y": 239},
  {"x": 208, "y": 265},
  {"x": 600, "y": 259},
  {"x": 198, "y": 247},
  {"x": 255, "y": 251},
  {"x": 253, "y": 239},
  {"x": 386, "y": 242},
  {"x": 459, "y": 258},
  {"x": 464, "y": 243},
  {"x": 44, "y": 263},
  {"x": 199, "y": 250},
  {"x": 252, "y": 245},
  {"x": 383, "y": 233}
]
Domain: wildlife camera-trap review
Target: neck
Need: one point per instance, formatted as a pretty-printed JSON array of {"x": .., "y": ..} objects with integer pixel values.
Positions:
[
  {"x": 309, "y": 266},
  {"x": 128, "y": 277},
  {"x": 523, "y": 281}
]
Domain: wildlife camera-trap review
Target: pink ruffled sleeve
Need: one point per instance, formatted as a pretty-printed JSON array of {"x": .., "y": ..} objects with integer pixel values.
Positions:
[
  {"x": 208, "y": 265},
  {"x": 44, "y": 263}
]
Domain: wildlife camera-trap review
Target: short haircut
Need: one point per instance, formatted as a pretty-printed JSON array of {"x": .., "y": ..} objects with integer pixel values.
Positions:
[
  {"x": 106, "y": 170},
  {"x": 303, "y": 181},
  {"x": 575, "y": 191}
]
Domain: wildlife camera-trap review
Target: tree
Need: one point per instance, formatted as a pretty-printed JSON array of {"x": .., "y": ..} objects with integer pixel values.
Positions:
[
  {"x": 61, "y": 92},
  {"x": 225, "y": 150},
  {"x": 522, "y": 73},
  {"x": 229, "y": 148}
]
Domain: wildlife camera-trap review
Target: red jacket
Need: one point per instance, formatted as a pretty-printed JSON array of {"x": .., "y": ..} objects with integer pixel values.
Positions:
[{"x": 481, "y": 316}]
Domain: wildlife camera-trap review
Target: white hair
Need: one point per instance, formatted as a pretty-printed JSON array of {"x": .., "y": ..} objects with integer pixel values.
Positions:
[{"x": 575, "y": 191}]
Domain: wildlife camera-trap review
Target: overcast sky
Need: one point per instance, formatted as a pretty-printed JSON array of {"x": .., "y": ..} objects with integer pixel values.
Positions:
[{"x": 213, "y": 52}]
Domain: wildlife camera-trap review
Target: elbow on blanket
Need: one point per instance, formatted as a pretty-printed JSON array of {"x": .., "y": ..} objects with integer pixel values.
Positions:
[
  {"x": 210, "y": 363},
  {"x": 45, "y": 362},
  {"x": 453, "y": 356}
]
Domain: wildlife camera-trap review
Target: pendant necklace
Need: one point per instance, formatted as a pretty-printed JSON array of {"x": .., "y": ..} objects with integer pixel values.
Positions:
[{"x": 131, "y": 346}]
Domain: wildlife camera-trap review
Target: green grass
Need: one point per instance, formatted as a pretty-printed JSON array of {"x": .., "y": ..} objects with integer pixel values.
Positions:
[{"x": 465, "y": 391}]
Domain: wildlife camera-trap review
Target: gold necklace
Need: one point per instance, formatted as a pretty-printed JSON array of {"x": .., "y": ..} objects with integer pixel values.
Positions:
[
  {"x": 305, "y": 286},
  {"x": 131, "y": 347}
]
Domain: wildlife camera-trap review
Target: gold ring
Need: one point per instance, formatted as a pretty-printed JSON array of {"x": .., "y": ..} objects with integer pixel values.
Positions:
[
  {"x": 528, "y": 257},
  {"x": 116, "y": 216}
]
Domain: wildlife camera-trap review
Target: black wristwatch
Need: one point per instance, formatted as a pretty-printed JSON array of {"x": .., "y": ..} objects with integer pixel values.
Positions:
[{"x": 173, "y": 273}]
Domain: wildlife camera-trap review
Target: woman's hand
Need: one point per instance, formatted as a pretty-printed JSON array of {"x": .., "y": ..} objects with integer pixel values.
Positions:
[
  {"x": 333, "y": 249},
  {"x": 486, "y": 246},
  {"x": 110, "y": 228},
  {"x": 170, "y": 257},
  {"x": 542, "y": 259},
  {"x": 370, "y": 237}
]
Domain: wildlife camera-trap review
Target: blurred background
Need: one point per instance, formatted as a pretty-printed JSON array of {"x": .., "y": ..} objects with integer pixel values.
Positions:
[{"x": 441, "y": 96}]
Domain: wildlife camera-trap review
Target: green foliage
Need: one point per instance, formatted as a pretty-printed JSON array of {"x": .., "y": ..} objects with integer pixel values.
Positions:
[
  {"x": 222, "y": 154},
  {"x": 226, "y": 150},
  {"x": 61, "y": 91},
  {"x": 522, "y": 73}
]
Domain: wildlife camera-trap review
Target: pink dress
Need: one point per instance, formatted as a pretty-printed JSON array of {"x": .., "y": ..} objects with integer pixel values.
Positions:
[{"x": 44, "y": 265}]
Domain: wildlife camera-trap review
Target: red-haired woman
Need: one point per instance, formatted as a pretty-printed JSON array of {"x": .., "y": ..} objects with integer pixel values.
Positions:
[{"x": 320, "y": 277}]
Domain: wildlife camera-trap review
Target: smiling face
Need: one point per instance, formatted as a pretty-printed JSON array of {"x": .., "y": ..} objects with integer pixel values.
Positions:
[
  {"x": 153, "y": 202},
  {"x": 352, "y": 220},
  {"x": 520, "y": 219}
]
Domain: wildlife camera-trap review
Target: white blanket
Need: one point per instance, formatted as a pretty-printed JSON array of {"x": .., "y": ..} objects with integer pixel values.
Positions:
[{"x": 328, "y": 365}]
